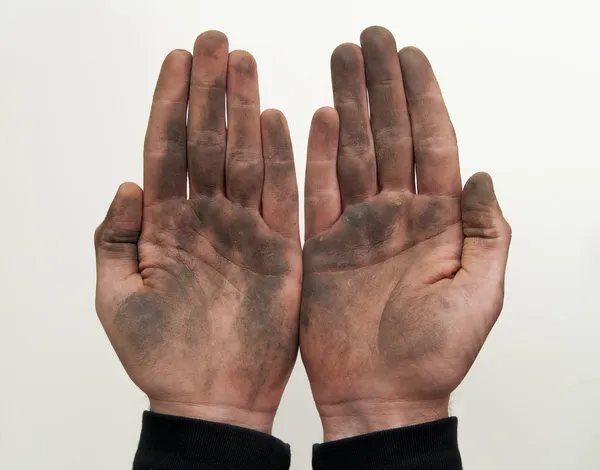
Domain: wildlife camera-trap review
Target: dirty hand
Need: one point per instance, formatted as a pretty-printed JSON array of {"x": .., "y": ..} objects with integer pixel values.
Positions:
[
  {"x": 402, "y": 281},
  {"x": 200, "y": 296}
]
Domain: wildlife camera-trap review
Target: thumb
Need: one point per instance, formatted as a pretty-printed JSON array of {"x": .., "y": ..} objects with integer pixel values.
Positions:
[
  {"x": 486, "y": 233},
  {"x": 116, "y": 247}
]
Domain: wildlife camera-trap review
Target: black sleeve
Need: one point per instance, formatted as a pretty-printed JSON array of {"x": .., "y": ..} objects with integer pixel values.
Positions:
[
  {"x": 175, "y": 443},
  {"x": 429, "y": 446}
]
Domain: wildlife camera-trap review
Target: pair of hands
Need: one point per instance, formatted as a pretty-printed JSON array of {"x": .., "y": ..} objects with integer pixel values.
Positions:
[{"x": 206, "y": 298}]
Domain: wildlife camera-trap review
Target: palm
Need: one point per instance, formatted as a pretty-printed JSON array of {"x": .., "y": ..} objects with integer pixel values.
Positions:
[
  {"x": 392, "y": 259},
  {"x": 206, "y": 260}
]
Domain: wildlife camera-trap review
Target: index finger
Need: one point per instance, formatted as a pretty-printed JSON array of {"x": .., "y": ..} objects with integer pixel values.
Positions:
[
  {"x": 434, "y": 142},
  {"x": 165, "y": 165}
]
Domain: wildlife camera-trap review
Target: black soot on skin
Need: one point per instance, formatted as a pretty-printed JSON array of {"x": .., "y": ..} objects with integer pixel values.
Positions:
[
  {"x": 315, "y": 291},
  {"x": 262, "y": 317},
  {"x": 213, "y": 115},
  {"x": 373, "y": 223},
  {"x": 357, "y": 239},
  {"x": 173, "y": 162},
  {"x": 261, "y": 328},
  {"x": 238, "y": 234},
  {"x": 245, "y": 65},
  {"x": 426, "y": 218},
  {"x": 143, "y": 318}
]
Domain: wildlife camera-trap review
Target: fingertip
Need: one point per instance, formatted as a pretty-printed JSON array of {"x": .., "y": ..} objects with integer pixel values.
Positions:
[
  {"x": 377, "y": 36},
  {"x": 324, "y": 131},
  {"x": 177, "y": 59},
  {"x": 174, "y": 75},
  {"x": 480, "y": 182},
  {"x": 325, "y": 109},
  {"x": 276, "y": 135},
  {"x": 482, "y": 215},
  {"x": 346, "y": 55},
  {"x": 411, "y": 51},
  {"x": 127, "y": 204},
  {"x": 242, "y": 62},
  {"x": 213, "y": 35},
  {"x": 274, "y": 116},
  {"x": 326, "y": 119},
  {"x": 413, "y": 56},
  {"x": 178, "y": 55},
  {"x": 210, "y": 40},
  {"x": 130, "y": 190},
  {"x": 375, "y": 31}
]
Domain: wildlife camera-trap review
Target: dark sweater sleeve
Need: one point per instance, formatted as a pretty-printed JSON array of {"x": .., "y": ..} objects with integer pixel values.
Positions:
[
  {"x": 175, "y": 443},
  {"x": 429, "y": 446}
]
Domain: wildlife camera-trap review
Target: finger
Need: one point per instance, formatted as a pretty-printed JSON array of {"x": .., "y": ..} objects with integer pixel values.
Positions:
[
  {"x": 357, "y": 170},
  {"x": 245, "y": 166},
  {"x": 206, "y": 122},
  {"x": 116, "y": 245},
  {"x": 390, "y": 122},
  {"x": 280, "y": 189},
  {"x": 322, "y": 200},
  {"x": 165, "y": 167},
  {"x": 486, "y": 234},
  {"x": 434, "y": 141}
]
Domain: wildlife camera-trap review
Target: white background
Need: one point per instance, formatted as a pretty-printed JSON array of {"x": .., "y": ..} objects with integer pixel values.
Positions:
[{"x": 521, "y": 79}]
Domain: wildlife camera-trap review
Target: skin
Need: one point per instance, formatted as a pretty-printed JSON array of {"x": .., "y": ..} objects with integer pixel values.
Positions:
[
  {"x": 200, "y": 295},
  {"x": 402, "y": 281}
]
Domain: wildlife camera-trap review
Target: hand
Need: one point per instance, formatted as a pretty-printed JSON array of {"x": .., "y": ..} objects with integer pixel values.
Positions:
[
  {"x": 200, "y": 296},
  {"x": 401, "y": 286}
]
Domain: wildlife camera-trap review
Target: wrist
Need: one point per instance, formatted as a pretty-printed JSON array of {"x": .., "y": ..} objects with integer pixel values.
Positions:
[
  {"x": 225, "y": 414},
  {"x": 359, "y": 417}
]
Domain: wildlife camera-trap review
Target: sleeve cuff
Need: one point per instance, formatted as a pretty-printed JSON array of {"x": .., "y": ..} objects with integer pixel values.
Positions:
[
  {"x": 177, "y": 443},
  {"x": 428, "y": 446}
]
